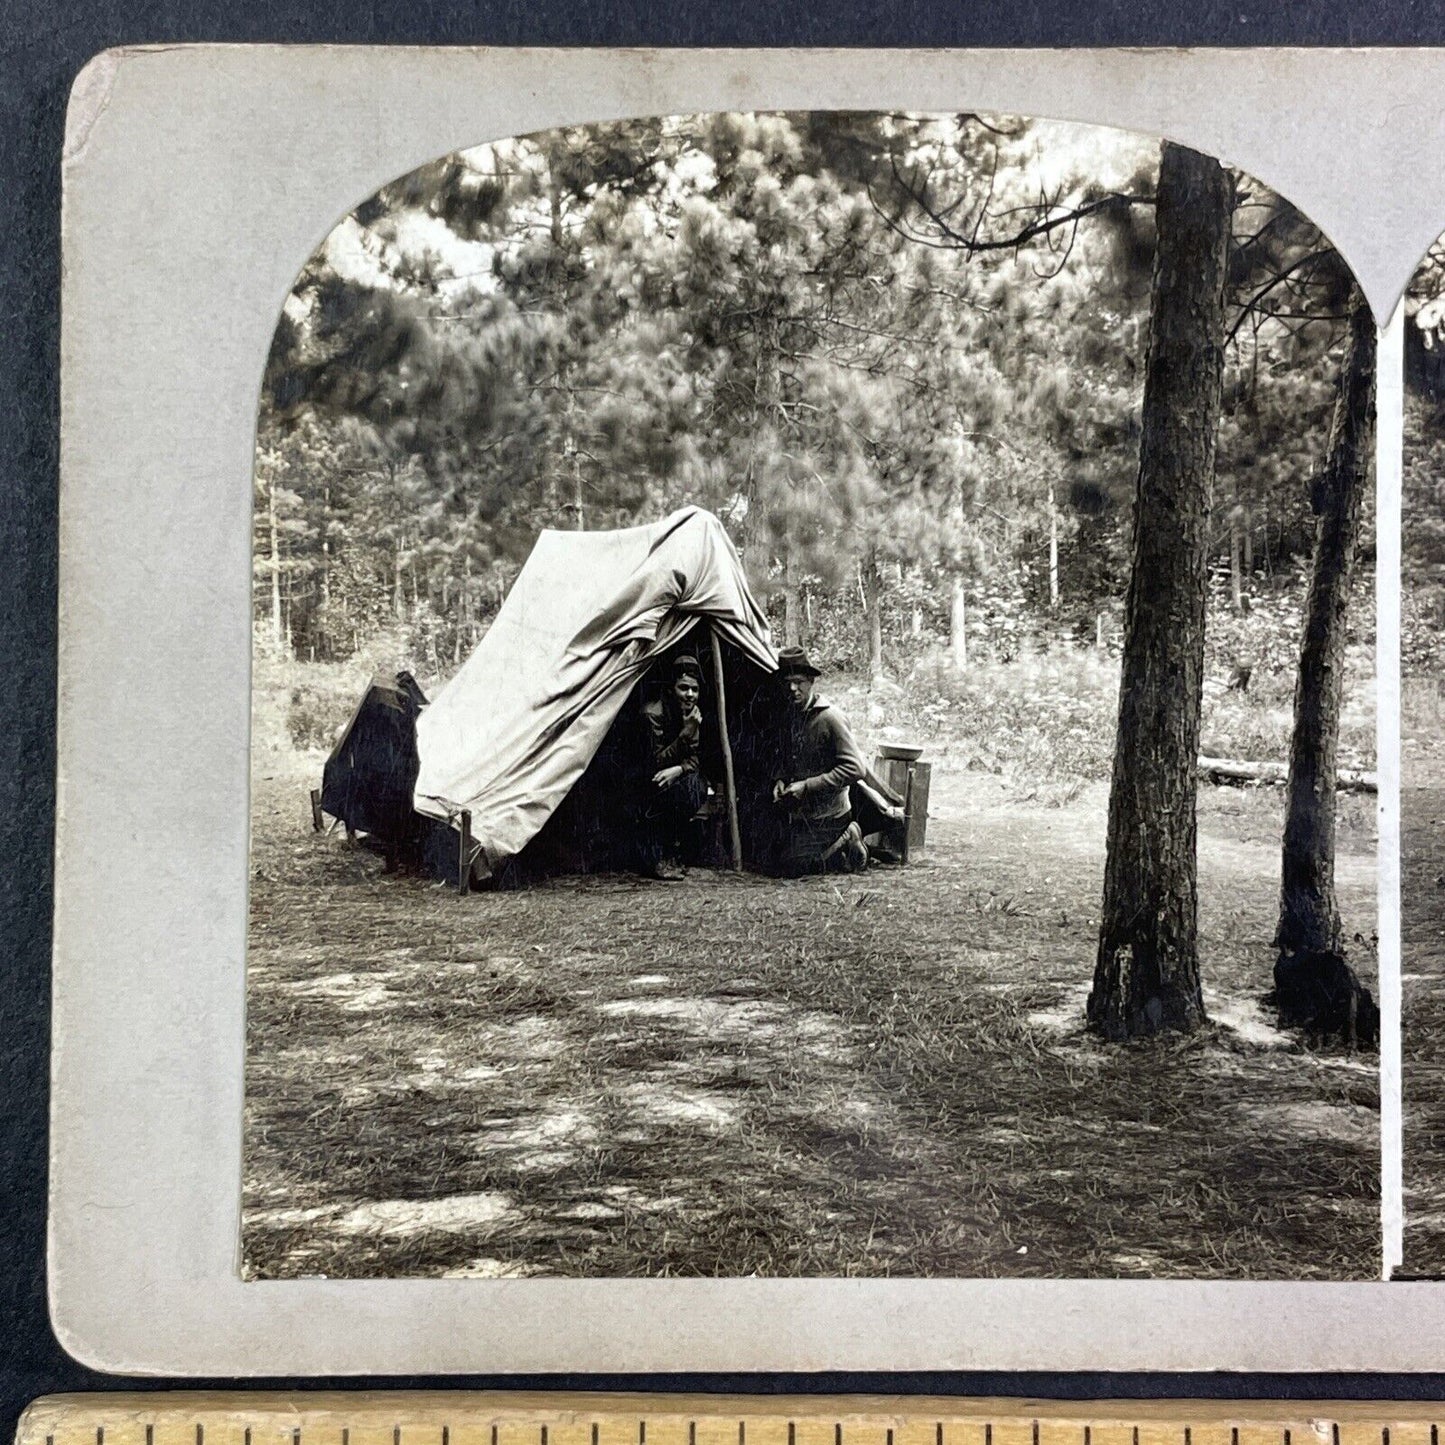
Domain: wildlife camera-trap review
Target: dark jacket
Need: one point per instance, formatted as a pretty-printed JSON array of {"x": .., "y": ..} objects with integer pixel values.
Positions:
[
  {"x": 674, "y": 738},
  {"x": 826, "y": 761}
]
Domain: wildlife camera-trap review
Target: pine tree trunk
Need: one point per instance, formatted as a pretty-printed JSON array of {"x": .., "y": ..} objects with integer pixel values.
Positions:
[
  {"x": 277, "y": 626},
  {"x": 1146, "y": 979},
  {"x": 958, "y": 626},
  {"x": 1309, "y": 917},
  {"x": 1248, "y": 543}
]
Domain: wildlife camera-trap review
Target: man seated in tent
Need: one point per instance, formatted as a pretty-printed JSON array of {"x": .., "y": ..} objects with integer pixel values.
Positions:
[
  {"x": 675, "y": 788},
  {"x": 824, "y": 762}
]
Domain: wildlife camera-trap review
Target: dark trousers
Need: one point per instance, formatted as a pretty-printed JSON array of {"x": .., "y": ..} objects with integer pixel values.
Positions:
[
  {"x": 807, "y": 844},
  {"x": 663, "y": 817}
]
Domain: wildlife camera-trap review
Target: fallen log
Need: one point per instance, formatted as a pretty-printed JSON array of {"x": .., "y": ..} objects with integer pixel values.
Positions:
[{"x": 1238, "y": 773}]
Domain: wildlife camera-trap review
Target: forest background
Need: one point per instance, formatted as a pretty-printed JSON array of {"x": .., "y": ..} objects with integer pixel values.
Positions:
[{"x": 901, "y": 357}]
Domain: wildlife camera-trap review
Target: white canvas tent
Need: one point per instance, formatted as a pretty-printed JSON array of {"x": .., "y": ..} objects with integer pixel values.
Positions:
[{"x": 513, "y": 731}]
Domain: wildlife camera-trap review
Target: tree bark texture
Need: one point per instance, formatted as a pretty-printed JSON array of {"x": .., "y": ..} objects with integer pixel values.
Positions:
[
  {"x": 1146, "y": 979},
  {"x": 1309, "y": 917}
]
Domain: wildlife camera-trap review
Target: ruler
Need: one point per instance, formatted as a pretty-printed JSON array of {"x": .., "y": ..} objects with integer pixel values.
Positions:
[{"x": 418, "y": 1418}]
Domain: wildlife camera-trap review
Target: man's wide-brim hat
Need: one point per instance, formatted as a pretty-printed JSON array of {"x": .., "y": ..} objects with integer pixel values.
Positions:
[{"x": 792, "y": 660}]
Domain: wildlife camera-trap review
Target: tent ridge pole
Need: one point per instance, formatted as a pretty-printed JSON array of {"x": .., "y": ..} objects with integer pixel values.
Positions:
[{"x": 729, "y": 782}]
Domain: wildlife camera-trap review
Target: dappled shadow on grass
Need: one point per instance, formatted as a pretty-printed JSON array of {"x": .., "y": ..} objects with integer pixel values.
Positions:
[{"x": 880, "y": 1075}]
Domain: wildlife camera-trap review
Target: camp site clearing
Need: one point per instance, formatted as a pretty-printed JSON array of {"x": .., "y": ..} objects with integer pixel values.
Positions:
[{"x": 877, "y": 1074}]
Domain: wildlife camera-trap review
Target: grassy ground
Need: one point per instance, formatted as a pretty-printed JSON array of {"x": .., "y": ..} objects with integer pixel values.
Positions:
[
  {"x": 1422, "y": 926},
  {"x": 884, "y": 1074}
]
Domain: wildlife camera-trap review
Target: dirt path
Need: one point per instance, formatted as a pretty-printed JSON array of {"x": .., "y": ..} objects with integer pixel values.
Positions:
[{"x": 872, "y": 1075}]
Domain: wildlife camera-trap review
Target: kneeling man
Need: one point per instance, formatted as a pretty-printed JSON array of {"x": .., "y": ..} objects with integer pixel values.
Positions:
[{"x": 825, "y": 763}]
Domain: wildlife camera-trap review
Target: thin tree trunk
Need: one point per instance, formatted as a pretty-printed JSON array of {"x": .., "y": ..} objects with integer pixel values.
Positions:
[
  {"x": 958, "y": 626},
  {"x": 286, "y": 609},
  {"x": 326, "y": 546},
  {"x": 873, "y": 608},
  {"x": 1146, "y": 978},
  {"x": 792, "y": 604},
  {"x": 398, "y": 597},
  {"x": 1053, "y": 550},
  {"x": 1248, "y": 543},
  {"x": 1236, "y": 559},
  {"x": 1309, "y": 916},
  {"x": 277, "y": 633}
]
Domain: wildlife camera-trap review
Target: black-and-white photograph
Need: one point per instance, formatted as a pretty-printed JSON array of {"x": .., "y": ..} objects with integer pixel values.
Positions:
[{"x": 813, "y": 716}]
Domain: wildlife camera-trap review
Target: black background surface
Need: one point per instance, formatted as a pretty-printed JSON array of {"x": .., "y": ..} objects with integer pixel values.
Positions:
[{"x": 42, "y": 47}]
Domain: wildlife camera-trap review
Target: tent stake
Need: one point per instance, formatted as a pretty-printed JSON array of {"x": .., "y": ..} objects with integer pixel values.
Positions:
[
  {"x": 734, "y": 836},
  {"x": 464, "y": 855}
]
